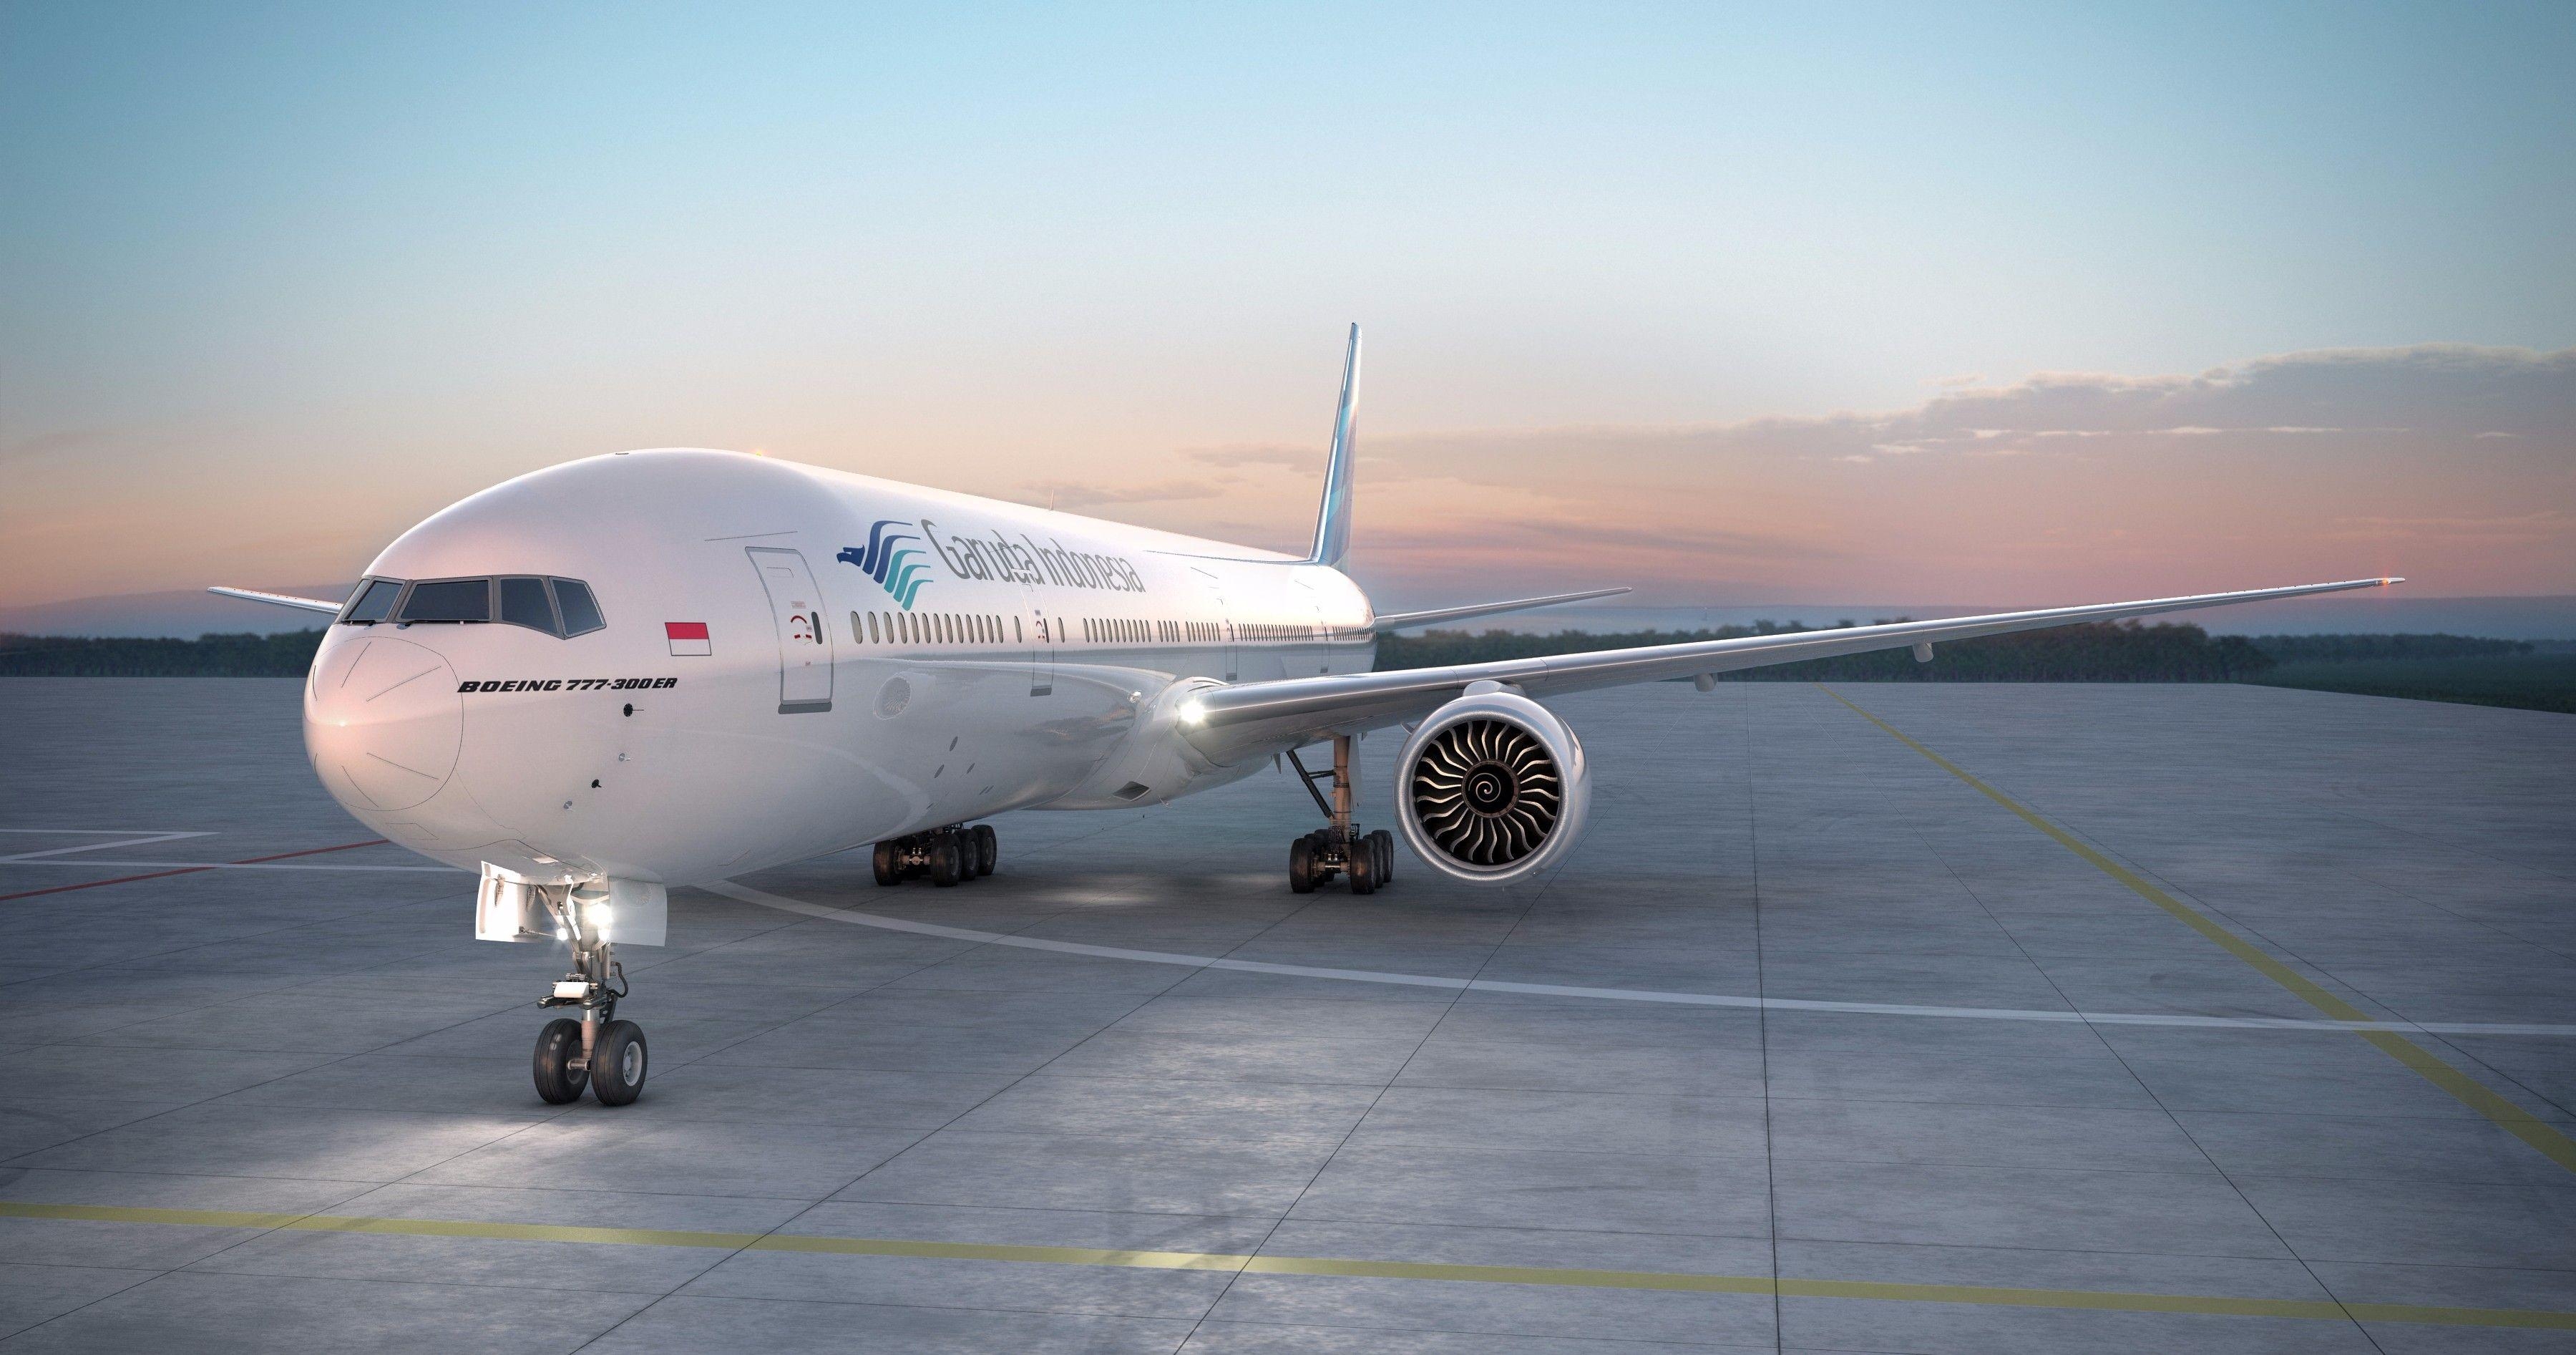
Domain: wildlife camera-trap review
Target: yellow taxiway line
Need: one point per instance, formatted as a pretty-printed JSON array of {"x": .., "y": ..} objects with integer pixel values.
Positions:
[
  {"x": 2099, "y": 1300},
  {"x": 2522, "y": 1124}
]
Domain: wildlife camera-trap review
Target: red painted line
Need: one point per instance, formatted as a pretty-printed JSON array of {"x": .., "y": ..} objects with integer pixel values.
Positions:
[
  {"x": 309, "y": 851},
  {"x": 189, "y": 870}
]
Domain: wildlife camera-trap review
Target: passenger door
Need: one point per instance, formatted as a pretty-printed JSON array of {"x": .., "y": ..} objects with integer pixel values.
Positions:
[
  {"x": 1041, "y": 640},
  {"x": 804, "y": 635},
  {"x": 1311, "y": 654},
  {"x": 1217, "y": 615}
]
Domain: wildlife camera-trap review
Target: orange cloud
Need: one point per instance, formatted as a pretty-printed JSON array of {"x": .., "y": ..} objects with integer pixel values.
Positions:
[{"x": 2453, "y": 465}]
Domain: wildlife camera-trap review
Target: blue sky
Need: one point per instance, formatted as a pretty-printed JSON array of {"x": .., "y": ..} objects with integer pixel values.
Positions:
[{"x": 355, "y": 261}]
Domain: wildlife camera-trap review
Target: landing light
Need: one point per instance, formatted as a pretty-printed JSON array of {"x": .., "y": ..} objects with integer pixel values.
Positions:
[{"x": 1193, "y": 712}]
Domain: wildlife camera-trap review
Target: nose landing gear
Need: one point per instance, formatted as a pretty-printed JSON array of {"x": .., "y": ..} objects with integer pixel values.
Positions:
[
  {"x": 597, "y": 1051},
  {"x": 1338, "y": 848},
  {"x": 947, "y": 855}
]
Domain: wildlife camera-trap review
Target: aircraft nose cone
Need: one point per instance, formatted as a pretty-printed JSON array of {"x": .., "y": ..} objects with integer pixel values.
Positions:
[{"x": 383, "y": 723}]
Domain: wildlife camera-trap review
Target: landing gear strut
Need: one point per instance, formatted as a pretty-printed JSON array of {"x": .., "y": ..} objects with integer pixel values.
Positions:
[
  {"x": 597, "y": 1051},
  {"x": 1338, "y": 848},
  {"x": 947, "y": 855}
]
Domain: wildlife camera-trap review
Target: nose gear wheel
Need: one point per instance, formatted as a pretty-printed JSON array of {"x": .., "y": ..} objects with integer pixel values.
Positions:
[
  {"x": 596, "y": 1052},
  {"x": 1486, "y": 792}
]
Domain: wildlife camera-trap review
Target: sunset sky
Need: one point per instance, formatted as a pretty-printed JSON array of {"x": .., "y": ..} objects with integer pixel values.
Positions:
[{"x": 1772, "y": 303}]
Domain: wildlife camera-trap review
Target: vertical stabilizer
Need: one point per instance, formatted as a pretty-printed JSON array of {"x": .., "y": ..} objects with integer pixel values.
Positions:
[{"x": 1333, "y": 520}]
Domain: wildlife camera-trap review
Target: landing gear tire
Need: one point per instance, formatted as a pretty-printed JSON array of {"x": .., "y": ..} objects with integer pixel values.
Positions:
[
  {"x": 1366, "y": 859},
  {"x": 558, "y": 1048},
  {"x": 988, "y": 848},
  {"x": 947, "y": 865},
  {"x": 889, "y": 868},
  {"x": 618, "y": 1062}
]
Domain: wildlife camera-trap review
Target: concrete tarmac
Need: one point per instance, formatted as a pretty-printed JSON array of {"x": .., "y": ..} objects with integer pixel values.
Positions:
[{"x": 2019, "y": 1036}]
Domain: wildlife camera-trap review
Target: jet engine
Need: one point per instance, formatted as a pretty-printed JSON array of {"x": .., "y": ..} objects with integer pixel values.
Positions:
[{"x": 1492, "y": 787}]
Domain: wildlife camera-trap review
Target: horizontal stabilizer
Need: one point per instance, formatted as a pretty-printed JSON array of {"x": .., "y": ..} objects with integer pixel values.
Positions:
[
  {"x": 278, "y": 599},
  {"x": 1396, "y": 621}
]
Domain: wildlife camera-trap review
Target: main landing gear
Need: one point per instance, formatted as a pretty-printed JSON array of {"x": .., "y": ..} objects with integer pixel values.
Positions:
[
  {"x": 1338, "y": 848},
  {"x": 597, "y": 1050},
  {"x": 947, "y": 855}
]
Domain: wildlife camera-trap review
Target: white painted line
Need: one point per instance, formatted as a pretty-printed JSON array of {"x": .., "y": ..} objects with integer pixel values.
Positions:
[
  {"x": 218, "y": 865},
  {"x": 748, "y": 895},
  {"x": 99, "y": 832},
  {"x": 104, "y": 846}
]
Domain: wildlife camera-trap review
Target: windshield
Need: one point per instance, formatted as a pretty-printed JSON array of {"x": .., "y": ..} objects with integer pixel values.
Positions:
[
  {"x": 523, "y": 603},
  {"x": 449, "y": 600},
  {"x": 557, "y": 607},
  {"x": 579, "y": 612},
  {"x": 373, "y": 602}
]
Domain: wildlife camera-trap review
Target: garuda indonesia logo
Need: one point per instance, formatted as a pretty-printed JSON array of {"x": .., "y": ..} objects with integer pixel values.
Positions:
[{"x": 896, "y": 569}]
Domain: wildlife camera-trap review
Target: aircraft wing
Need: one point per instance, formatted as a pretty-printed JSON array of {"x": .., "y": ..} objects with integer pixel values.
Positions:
[
  {"x": 1395, "y": 621},
  {"x": 281, "y": 599},
  {"x": 1253, "y": 719}
]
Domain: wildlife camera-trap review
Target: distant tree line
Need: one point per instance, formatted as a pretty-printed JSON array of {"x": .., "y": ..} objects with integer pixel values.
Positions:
[
  {"x": 2123, "y": 652},
  {"x": 286, "y": 655},
  {"x": 2345, "y": 648}
]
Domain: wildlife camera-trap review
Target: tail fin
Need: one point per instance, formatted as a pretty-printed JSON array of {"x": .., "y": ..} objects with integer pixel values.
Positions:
[{"x": 1333, "y": 520}]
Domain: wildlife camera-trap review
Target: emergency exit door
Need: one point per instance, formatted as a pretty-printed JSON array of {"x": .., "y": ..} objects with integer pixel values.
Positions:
[{"x": 804, "y": 638}]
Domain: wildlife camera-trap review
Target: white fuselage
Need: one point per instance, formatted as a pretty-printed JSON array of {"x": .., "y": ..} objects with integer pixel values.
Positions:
[{"x": 877, "y": 659}]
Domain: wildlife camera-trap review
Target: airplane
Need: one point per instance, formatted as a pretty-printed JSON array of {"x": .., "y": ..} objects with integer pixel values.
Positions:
[{"x": 643, "y": 669}]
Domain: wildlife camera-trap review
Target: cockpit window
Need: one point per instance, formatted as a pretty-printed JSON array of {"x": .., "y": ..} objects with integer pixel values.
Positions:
[
  {"x": 449, "y": 600},
  {"x": 559, "y": 607},
  {"x": 374, "y": 602},
  {"x": 580, "y": 613},
  {"x": 523, "y": 603}
]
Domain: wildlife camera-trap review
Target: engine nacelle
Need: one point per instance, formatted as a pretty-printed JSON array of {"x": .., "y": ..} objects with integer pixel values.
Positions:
[{"x": 1492, "y": 788}]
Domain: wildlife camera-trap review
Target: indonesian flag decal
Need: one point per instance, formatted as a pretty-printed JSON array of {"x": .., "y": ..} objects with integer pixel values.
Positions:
[{"x": 688, "y": 638}]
